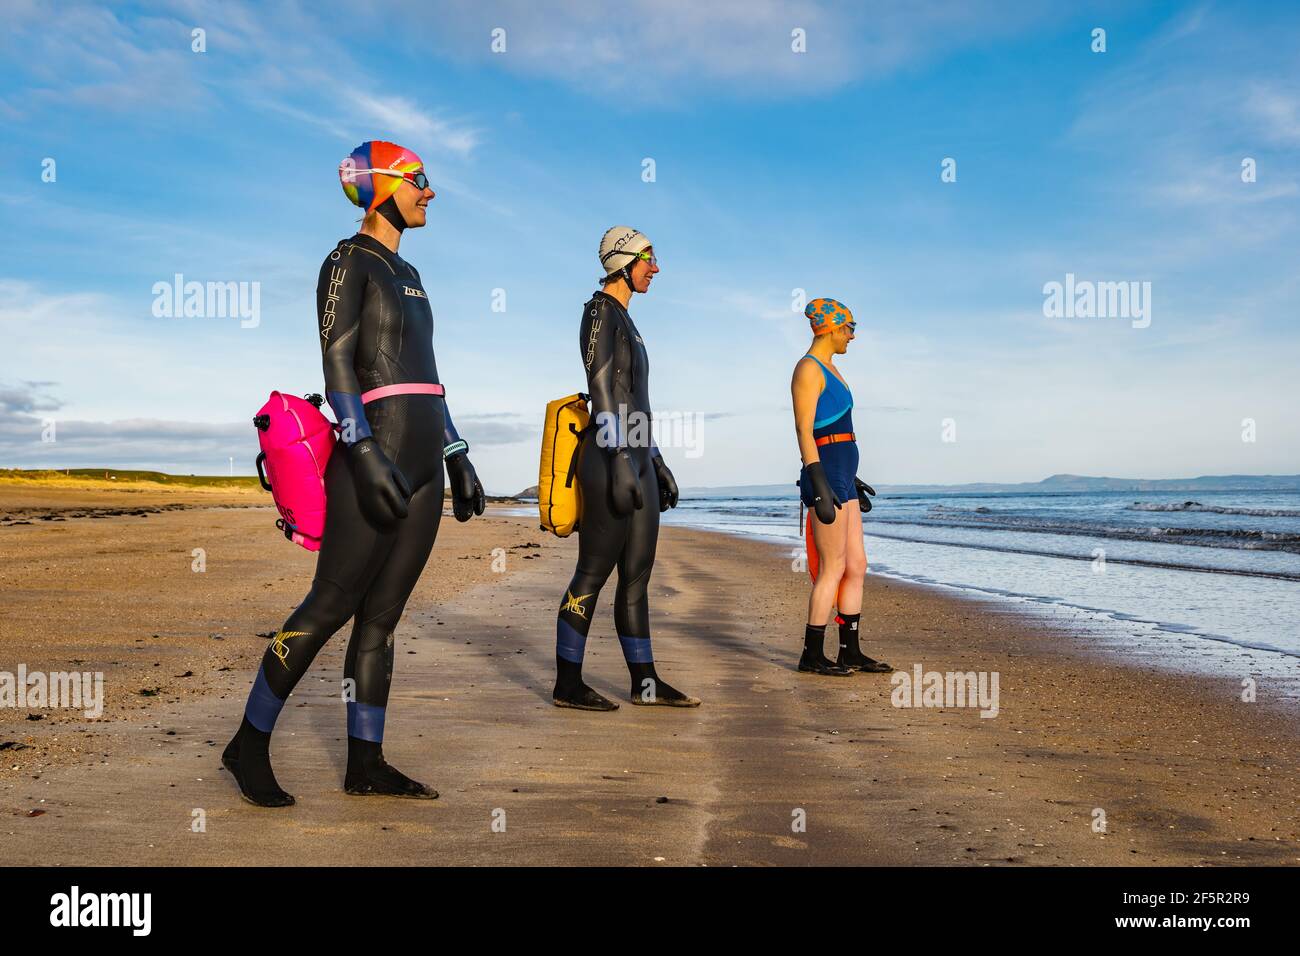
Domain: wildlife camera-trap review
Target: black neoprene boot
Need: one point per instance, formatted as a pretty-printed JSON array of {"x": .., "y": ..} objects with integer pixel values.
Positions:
[
  {"x": 813, "y": 661},
  {"x": 571, "y": 691},
  {"x": 651, "y": 690},
  {"x": 248, "y": 758},
  {"x": 851, "y": 655},
  {"x": 370, "y": 775}
]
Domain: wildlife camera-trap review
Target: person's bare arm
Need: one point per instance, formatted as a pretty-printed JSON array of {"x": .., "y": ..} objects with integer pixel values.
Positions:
[{"x": 805, "y": 388}]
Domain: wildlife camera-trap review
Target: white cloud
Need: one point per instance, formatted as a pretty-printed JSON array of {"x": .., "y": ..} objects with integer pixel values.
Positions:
[
  {"x": 265, "y": 56},
  {"x": 404, "y": 118},
  {"x": 170, "y": 446},
  {"x": 1277, "y": 112},
  {"x": 1174, "y": 121},
  {"x": 740, "y": 45}
]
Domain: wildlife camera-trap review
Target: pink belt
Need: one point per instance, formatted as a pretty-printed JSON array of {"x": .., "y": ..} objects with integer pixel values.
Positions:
[{"x": 411, "y": 388}]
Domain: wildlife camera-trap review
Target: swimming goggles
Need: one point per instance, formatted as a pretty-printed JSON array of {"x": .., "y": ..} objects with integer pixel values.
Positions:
[{"x": 416, "y": 179}]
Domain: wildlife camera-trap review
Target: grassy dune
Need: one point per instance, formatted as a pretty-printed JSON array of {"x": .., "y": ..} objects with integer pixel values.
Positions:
[
  {"x": 125, "y": 479},
  {"x": 116, "y": 478}
]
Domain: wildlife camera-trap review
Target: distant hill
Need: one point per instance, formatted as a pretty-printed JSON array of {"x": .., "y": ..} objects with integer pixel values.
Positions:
[{"x": 1056, "y": 484}]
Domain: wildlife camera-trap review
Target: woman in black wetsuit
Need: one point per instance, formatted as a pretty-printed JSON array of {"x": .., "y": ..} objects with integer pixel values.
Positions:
[
  {"x": 384, "y": 483},
  {"x": 624, "y": 483}
]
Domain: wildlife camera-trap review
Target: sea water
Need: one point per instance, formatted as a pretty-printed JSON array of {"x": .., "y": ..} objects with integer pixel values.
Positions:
[
  {"x": 1209, "y": 581},
  {"x": 1212, "y": 579}
]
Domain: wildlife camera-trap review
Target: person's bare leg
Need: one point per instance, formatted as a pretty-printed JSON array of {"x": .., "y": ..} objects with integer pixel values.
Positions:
[
  {"x": 829, "y": 540},
  {"x": 850, "y": 600}
]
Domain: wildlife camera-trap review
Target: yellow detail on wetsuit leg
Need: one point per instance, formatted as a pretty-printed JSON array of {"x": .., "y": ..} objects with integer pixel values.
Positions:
[
  {"x": 280, "y": 649},
  {"x": 574, "y": 604}
]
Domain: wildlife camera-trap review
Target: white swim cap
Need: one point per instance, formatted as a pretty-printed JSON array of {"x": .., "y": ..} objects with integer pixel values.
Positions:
[{"x": 619, "y": 246}]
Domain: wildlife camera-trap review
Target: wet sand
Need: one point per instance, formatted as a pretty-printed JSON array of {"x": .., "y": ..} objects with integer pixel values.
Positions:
[{"x": 1183, "y": 771}]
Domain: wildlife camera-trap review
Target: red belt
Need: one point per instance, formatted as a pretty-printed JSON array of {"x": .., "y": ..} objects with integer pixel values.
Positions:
[
  {"x": 834, "y": 439},
  {"x": 412, "y": 388}
]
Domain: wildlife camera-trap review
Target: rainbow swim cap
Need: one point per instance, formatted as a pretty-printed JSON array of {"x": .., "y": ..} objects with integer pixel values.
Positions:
[
  {"x": 826, "y": 315},
  {"x": 366, "y": 189}
]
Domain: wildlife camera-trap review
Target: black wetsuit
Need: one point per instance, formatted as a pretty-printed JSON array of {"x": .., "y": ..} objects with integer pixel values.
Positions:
[
  {"x": 619, "y": 467},
  {"x": 376, "y": 329}
]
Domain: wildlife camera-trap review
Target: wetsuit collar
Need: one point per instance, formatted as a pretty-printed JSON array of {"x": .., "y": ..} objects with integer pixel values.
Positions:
[{"x": 370, "y": 242}]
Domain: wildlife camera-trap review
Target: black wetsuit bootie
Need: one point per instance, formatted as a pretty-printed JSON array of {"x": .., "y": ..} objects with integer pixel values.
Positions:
[
  {"x": 851, "y": 655},
  {"x": 651, "y": 690},
  {"x": 813, "y": 661},
  {"x": 248, "y": 758},
  {"x": 370, "y": 775},
  {"x": 571, "y": 691},
  {"x": 863, "y": 664}
]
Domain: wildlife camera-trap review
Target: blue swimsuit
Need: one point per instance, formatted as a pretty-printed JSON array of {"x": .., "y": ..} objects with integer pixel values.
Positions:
[{"x": 839, "y": 459}]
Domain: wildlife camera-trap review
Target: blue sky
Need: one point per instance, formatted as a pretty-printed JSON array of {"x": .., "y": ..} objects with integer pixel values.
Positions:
[{"x": 774, "y": 171}]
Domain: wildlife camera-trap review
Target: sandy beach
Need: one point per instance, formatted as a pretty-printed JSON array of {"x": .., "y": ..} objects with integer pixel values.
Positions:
[{"x": 1180, "y": 769}]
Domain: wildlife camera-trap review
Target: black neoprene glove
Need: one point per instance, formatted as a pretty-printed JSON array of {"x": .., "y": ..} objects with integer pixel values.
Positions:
[
  {"x": 864, "y": 490},
  {"x": 382, "y": 489},
  {"x": 467, "y": 498},
  {"x": 667, "y": 485},
  {"x": 824, "y": 503},
  {"x": 624, "y": 488}
]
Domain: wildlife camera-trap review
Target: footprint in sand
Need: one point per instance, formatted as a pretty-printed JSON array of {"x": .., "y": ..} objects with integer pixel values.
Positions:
[{"x": 789, "y": 843}]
